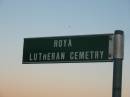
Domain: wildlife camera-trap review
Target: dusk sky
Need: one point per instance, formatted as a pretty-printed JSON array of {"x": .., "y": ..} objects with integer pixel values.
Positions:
[{"x": 21, "y": 19}]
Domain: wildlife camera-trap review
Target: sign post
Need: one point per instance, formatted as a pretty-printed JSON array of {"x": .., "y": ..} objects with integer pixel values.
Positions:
[
  {"x": 117, "y": 66},
  {"x": 82, "y": 48}
]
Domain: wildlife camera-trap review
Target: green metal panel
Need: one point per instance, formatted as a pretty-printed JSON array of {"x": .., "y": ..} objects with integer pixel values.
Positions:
[{"x": 67, "y": 49}]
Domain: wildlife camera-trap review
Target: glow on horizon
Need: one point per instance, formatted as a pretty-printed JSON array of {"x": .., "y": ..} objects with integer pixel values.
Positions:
[{"x": 62, "y": 82}]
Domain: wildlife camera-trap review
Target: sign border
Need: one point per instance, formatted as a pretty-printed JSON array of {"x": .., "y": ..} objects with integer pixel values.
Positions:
[{"x": 110, "y": 49}]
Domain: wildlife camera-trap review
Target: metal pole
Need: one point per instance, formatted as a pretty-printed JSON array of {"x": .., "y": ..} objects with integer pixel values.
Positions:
[
  {"x": 118, "y": 58},
  {"x": 117, "y": 78}
]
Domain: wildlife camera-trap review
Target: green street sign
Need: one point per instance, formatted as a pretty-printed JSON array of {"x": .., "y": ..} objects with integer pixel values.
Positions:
[{"x": 68, "y": 49}]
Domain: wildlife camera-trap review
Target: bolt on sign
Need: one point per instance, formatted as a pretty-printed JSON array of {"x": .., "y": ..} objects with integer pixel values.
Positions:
[{"x": 68, "y": 49}]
